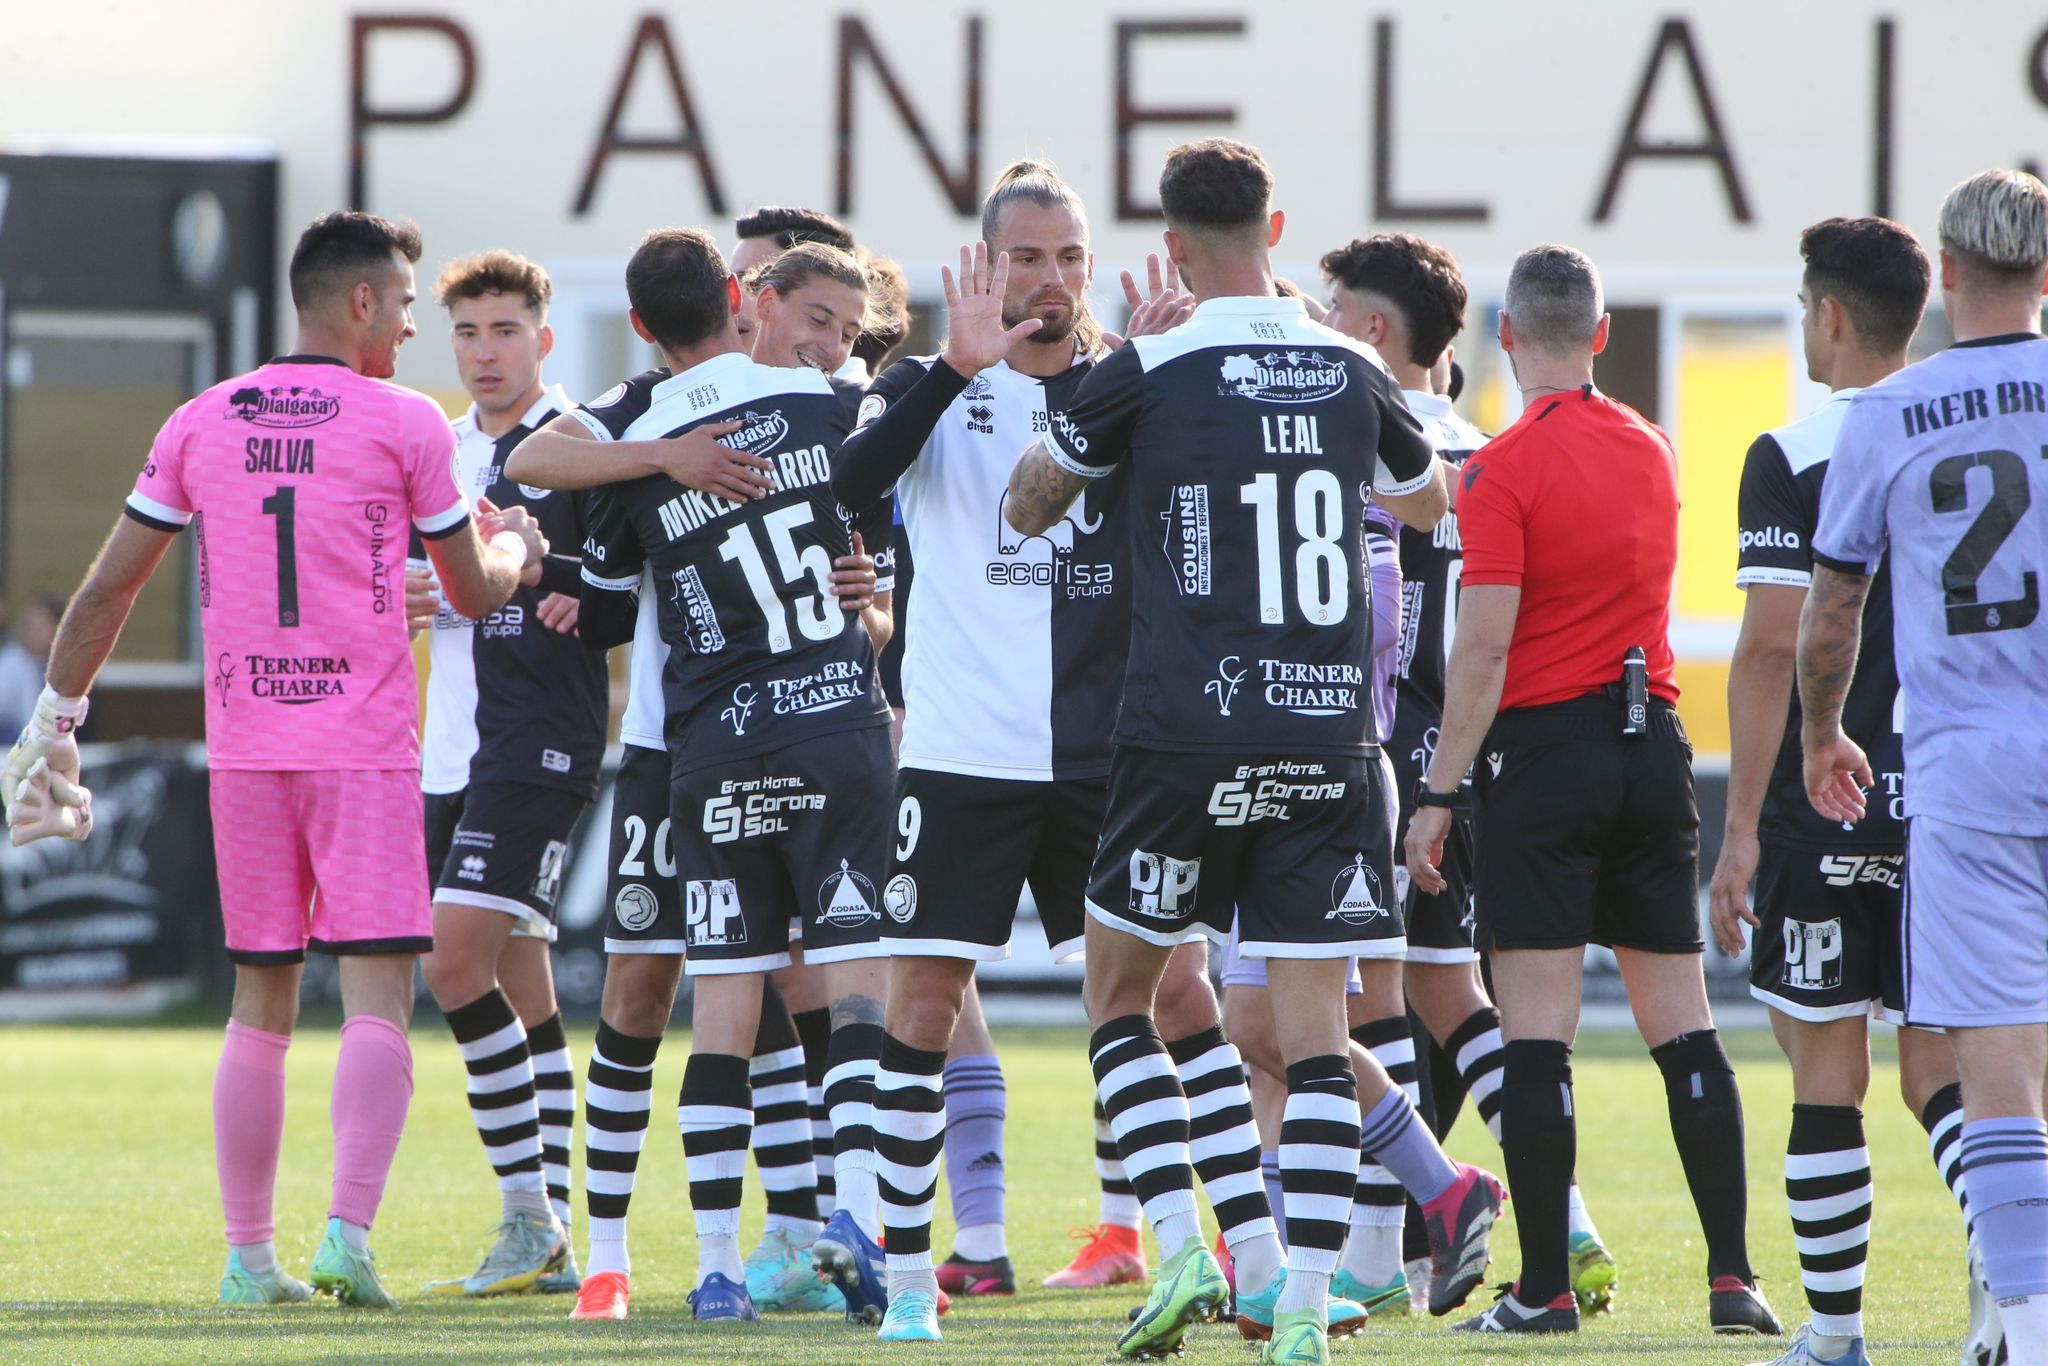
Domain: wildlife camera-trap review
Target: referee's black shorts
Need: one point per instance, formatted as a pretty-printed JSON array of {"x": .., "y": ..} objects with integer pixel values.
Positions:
[{"x": 1592, "y": 836}]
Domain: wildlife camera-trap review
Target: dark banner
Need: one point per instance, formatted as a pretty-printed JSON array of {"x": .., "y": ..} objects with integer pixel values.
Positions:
[{"x": 130, "y": 920}]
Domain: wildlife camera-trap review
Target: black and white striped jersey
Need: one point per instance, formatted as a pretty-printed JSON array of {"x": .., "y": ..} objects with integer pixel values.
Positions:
[
  {"x": 1251, "y": 434},
  {"x": 1430, "y": 562},
  {"x": 507, "y": 697},
  {"x": 760, "y": 654},
  {"x": 1014, "y": 654}
]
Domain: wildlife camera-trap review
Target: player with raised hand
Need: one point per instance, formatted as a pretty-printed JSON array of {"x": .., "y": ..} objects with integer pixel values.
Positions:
[
  {"x": 1268, "y": 798},
  {"x": 305, "y": 475}
]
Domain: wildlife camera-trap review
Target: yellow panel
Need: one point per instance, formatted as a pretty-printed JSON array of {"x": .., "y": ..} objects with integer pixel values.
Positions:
[
  {"x": 1734, "y": 381},
  {"x": 1703, "y": 704}
]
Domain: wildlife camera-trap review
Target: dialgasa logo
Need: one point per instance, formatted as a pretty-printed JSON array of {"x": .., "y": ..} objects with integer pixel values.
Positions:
[
  {"x": 1292, "y": 376},
  {"x": 757, "y": 431},
  {"x": 1223, "y": 687},
  {"x": 283, "y": 405}
]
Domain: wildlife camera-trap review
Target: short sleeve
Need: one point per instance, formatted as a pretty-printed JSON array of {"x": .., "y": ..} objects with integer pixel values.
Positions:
[
  {"x": 608, "y": 415},
  {"x": 1774, "y": 516},
  {"x": 1407, "y": 461},
  {"x": 438, "y": 508},
  {"x": 1850, "y": 537},
  {"x": 159, "y": 498},
  {"x": 1093, "y": 436},
  {"x": 611, "y": 547},
  {"x": 1490, "y": 524}
]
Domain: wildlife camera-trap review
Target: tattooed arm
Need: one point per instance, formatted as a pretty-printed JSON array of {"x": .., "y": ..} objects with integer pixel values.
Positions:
[
  {"x": 1830, "y": 630},
  {"x": 1041, "y": 491}
]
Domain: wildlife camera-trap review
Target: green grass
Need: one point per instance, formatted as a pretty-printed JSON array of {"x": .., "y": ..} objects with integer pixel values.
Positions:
[{"x": 111, "y": 1250}]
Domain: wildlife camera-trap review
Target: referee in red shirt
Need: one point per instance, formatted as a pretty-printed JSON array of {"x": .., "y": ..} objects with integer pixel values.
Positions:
[{"x": 1570, "y": 528}]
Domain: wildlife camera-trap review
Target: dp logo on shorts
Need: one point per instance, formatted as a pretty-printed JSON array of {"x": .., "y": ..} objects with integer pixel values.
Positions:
[
  {"x": 1162, "y": 887},
  {"x": 711, "y": 911}
]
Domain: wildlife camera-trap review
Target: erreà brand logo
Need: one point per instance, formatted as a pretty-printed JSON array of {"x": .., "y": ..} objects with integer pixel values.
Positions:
[
  {"x": 1282, "y": 376},
  {"x": 757, "y": 432},
  {"x": 284, "y": 406}
]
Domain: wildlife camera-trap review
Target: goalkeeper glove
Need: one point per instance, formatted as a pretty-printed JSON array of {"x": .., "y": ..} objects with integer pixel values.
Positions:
[{"x": 39, "y": 785}]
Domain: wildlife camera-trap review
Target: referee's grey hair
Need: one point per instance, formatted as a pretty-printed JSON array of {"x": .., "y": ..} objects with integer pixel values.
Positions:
[
  {"x": 1554, "y": 298},
  {"x": 1998, "y": 219}
]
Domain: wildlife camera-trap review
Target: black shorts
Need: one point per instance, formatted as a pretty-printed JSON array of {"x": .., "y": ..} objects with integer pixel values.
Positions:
[
  {"x": 503, "y": 846},
  {"x": 1829, "y": 946},
  {"x": 1301, "y": 850},
  {"x": 964, "y": 849},
  {"x": 794, "y": 834},
  {"x": 1439, "y": 923},
  {"x": 645, "y": 900},
  {"x": 1591, "y": 836}
]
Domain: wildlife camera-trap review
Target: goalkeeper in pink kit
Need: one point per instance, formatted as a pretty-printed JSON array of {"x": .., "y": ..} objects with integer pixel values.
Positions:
[{"x": 299, "y": 481}]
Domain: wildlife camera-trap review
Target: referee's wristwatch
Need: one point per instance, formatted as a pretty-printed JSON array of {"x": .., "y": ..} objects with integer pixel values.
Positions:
[{"x": 1425, "y": 797}]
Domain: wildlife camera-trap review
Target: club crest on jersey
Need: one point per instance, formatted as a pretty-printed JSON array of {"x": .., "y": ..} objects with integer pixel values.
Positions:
[
  {"x": 283, "y": 405},
  {"x": 1291, "y": 376},
  {"x": 1355, "y": 894},
  {"x": 899, "y": 898},
  {"x": 757, "y": 431},
  {"x": 743, "y": 699},
  {"x": 846, "y": 899},
  {"x": 1229, "y": 674},
  {"x": 635, "y": 907},
  {"x": 977, "y": 388}
]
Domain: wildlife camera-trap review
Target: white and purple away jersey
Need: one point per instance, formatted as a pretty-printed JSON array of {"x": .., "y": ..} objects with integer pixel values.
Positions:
[{"x": 1946, "y": 463}]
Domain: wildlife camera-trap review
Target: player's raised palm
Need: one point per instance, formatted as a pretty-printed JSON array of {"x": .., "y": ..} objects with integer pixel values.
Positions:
[{"x": 976, "y": 337}]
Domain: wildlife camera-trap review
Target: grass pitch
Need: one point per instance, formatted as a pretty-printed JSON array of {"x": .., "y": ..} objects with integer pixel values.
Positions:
[{"x": 110, "y": 1226}]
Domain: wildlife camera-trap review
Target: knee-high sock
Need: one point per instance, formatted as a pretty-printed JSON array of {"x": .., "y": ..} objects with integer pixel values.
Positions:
[
  {"x": 1540, "y": 1141},
  {"x": 782, "y": 1122},
  {"x": 1223, "y": 1144},
  {"x": 1148, "y": 1112},
  {"x": 248, "y": 1129},
  {"x": 856, "y": 1051},
  {"x": 814, "y": 1031},
  {"x": 1706, "y": 1122},
  {"x": 1318, "y": 1173},
  {"x": 554, "y": 1092},
  {"x": 1119, "y": 1201},
  {"x": 1446, "y": 1085},
  {"x": 715, "y": 1112},
  {"x": 1942, "y": 1117},
  {"x": 501, "y": 1099},
  {"x": 2005, "y": 1171},
  {"x": 1276, "y": 1195},
  {"x": 976, "y": 1105},
  {"x": 1379, "y": 1203},
  {"x": 617, "y": 1095},
  {"x": 372, "y": 1090},
  {"x": 1827, "y": 1185},
  {"x": 1476, "y": 1047},
  {"x": 910, "y": 1128}
]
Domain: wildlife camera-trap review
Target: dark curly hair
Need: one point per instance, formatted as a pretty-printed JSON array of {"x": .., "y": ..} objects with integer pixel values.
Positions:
[{"x": 1418, "y": 277}]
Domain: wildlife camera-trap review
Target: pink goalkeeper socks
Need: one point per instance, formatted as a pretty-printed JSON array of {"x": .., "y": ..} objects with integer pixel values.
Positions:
[
  {"x": 372, "y": 1088},
  {"x": 248, "y": 1128}
]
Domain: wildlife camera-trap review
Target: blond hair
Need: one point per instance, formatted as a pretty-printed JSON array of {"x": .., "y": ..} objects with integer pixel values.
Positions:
[{"x": 1998, "y": 220}]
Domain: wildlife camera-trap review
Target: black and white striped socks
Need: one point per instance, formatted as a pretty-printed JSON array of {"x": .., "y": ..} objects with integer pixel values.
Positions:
[
  {"x": 554, "y": 1092},
  {"x": 782, "y": 1123},
  {"x": 854, "y": 1054},
  {"x": 716, "y": 1115},
  {"x": 617, "y": 1095},
  {"x": 1148, "y": 1112},
  {"x": 501, "y": 1097},
  {"x": 1319, "y": 1147},
  {"x": 910, "y": 1133},
  {"x": 1223, "y": 1147},
  {"x": 1828, "y": 1186}
]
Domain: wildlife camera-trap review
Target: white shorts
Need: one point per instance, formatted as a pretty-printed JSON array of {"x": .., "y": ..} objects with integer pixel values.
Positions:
[
  {"x": 1240, "y": 971},
  {"x": 1976, "y": 926}
]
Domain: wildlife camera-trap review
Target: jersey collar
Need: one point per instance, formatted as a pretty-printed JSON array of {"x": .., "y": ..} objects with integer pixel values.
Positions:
[
  {"x": 307, "y": 360},
  {"x": 2003, "y": 339},
  {"x": 1250, "y": 305},
  {"x": 724, "y": 363},
  {"x": 553, "y": 399},
  {"x": 1425, "y": 404}
]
